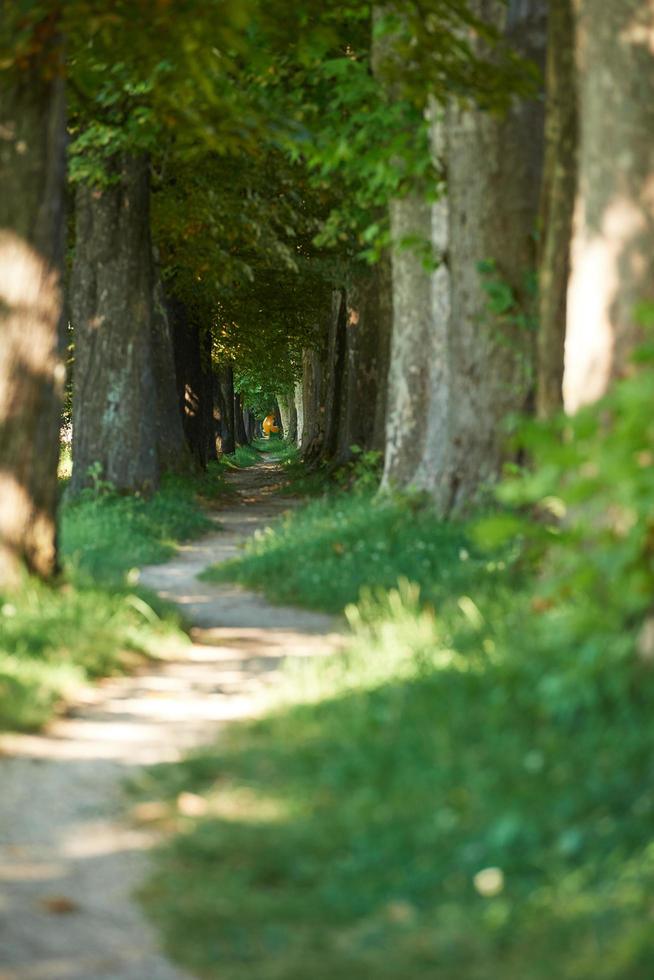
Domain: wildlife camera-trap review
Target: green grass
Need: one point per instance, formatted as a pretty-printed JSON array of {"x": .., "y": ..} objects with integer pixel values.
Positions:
[
  {"x": 103, "y": 537},
  {"x": 459, "y": 796},
  {"x": 324, "y": 554},
  {"x": 98, "y": 621}
]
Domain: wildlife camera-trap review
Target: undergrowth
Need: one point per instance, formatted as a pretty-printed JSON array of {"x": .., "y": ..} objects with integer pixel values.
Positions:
[
  {"x": 97, "y": 620},
  {"x": 467, "y": 792}
]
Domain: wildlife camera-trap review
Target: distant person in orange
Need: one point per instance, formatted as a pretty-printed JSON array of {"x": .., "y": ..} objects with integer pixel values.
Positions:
[{"x": 269, "y": 426}]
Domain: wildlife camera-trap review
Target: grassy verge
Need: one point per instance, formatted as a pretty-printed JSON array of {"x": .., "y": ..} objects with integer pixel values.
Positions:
[
  {"x": 464, "y": 794},
  {"x": 323, "y": 555},
  {"x": 99, "y": 621}
]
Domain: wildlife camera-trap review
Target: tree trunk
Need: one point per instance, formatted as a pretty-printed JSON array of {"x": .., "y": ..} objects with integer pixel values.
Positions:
[
  {"x": 187, "y": 348},
  {"x": 114, "y": 396},
  {"x": 299, "y": 408},
  {"x": 365, "y": 362},
  {"x": 384, "y": 332},
  {"x": 292, "y": 424},
  {"x": 335, "y": 369},
  {"x": 557, "y": 204},
  {"x": 249, "y": 423},
  {"x": 225, "y": 389},
  {"x": 207, "y": 398},
  {"x": 313, "y": 400},
  {"x": 409, "y": 381},
  {"x": 172, "y": 448},
  {"x": 492, "y": 216},
  {"x": 32, "y": 176},
  {"x": 283, "y": 401},
  {"x": 612, "y": 256},
  {"x": 239, "y": 425}
]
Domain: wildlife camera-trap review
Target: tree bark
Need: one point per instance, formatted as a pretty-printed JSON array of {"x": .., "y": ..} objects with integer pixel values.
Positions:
[
  {"x": 492, "y": 216},
  {"x": 557, "y": 204},
  {"x": 299, "y": 407},
  {"x": 172, "y": 448},
  {"x": 207, "y": 397},
  {"x": 384, "y": 332},
  {"x": 32, "y": 176},
  {"x": 283, "y": 403},
  {"x": 249, "y": 423},
  {"x": 292, "y": 424},
  {"x": 409, "y": 381},
  {"x": 365, "y": 361},
  {"x": 612, "y": 256},
  {"x": 239, "y": 425},
  {"x": 313, "y": 400},
  {"x": 457, "y": 369},
  {"x": 191, "y": 393},
  {"x": 114, "y": 394},
  {"x": 225, "y": 386},
  {"x": 335, "y": 369}
]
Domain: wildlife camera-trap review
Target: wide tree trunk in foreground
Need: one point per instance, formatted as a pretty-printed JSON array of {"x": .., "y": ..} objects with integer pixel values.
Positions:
[
  {"x": 458, "y": 366},
  {"x": 557, "y": 205},
  {"x": 32, "y": 175},
  {"x": 115, "y": 432},
  {"x": 493, "y": 211},
  {"x": 612, "y": 257}
]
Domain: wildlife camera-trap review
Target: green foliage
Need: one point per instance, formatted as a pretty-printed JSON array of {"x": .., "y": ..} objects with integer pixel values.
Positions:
[
  {"x": 591, "y": 490},
  {"x": 510, "y": 308},
  {"x": 363, "y": 474}
]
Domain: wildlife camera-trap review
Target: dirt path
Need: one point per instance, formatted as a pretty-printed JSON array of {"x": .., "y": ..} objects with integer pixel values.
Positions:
[{"x": 70, "y": 856}]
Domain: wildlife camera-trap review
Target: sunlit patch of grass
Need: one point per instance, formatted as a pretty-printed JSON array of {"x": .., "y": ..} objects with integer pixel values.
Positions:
[
  {"x": 52, "y": 639},
  {"x": 97, "y": 621},
  {"x": 323, "y": 555}
]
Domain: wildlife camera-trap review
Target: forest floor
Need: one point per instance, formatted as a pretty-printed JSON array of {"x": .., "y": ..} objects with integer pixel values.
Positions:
[{"x": 72, "y": 847}]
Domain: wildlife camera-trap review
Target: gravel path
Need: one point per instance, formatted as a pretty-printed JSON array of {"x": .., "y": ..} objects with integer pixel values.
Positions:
[{"x": 70, "y": 854}]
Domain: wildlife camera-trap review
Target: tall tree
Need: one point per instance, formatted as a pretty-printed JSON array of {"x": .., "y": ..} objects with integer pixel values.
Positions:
[
  {"x": 172, "y": 449},
  {"x": 464, "y": 360},
  {"x": 492, "y": 263},
  {"x": 114, "y": 394},
  {"x": 612, "y": 258},
  {"x": 32, "y": 154}
]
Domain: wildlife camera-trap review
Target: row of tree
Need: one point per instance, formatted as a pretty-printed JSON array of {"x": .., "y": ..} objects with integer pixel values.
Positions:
[{"x": 371, "y": 224}]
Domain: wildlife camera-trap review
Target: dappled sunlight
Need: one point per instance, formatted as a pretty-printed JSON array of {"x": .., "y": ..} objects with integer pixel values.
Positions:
[{"x": 594, "y": 284}]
